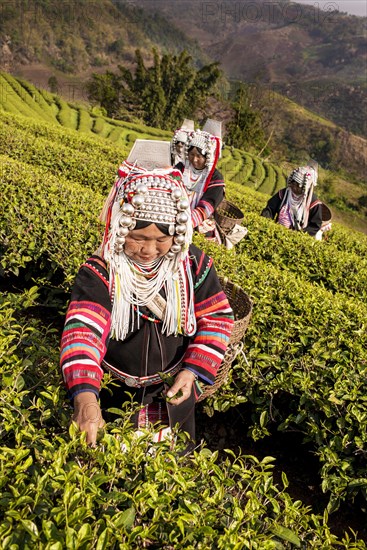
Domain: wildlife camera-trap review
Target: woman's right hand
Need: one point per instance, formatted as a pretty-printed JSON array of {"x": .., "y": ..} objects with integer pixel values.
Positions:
[{"x": 88, "y": 416}]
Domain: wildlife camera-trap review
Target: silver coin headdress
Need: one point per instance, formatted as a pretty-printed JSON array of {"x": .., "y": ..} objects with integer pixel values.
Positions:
[
  {"x": 181, "y": 135},
  {"x": 156, "y": 196},
  {"x": 304, "y": 177}
]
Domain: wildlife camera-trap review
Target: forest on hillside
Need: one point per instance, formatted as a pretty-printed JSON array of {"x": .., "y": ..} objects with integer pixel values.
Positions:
[{"x": 313, "y": 54}]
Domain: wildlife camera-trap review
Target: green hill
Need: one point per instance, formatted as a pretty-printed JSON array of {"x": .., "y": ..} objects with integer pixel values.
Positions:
[
  {"x": 20, "y": 97},
  {"x": 304, "y": 369},
  {"x": 73, "y": 37}
]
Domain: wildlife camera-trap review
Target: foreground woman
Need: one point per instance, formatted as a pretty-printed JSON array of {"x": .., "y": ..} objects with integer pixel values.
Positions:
[
  {"x": 150, "y": 302},
  {"x": 296, "y": 206}
]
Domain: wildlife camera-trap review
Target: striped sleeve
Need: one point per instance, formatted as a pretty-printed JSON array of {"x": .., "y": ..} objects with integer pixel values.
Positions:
[
  {"x": 86, "y": 331},
  {"x": 210, "y": 199},
  {"x": 215, "y": 321},
  {"x": 203, "y": 211}
]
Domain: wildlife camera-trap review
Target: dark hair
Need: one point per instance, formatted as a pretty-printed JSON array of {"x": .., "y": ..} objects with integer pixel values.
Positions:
[
  {"x": 163, "y": 227},
  {"x": 198, "y": 149}
]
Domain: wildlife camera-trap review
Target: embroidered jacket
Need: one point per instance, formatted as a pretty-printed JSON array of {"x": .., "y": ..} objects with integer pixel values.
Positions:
[
  {"x": 212, "y": 196},
  {"x": 145, "y": 351}
]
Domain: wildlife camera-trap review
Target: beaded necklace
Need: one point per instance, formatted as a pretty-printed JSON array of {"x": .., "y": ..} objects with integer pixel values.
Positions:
[
  {"x": 194, "y": 178},
  {"x": 146, "y": 317}
]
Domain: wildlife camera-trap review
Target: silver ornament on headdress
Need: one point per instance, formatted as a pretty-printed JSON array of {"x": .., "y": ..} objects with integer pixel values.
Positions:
[
  {"x": 200, "y": 140},
  {"x": 181, "y": 136},
  {"x": 303, "y": 176},
  {"x": 157, "y": 199}
]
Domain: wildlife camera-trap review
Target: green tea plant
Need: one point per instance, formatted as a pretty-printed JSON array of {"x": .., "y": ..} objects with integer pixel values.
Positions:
[
  {"x": 316, "y": 261},
  {"x": 58, "y": 493},
  {"x": 72, "y": 163},
  {"x": 17, "y": 96},
  {"x": 306, "y": 367},
  {"x": 46, "y": 222}
]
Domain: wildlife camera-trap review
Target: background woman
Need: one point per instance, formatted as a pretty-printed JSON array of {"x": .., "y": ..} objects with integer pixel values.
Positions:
[
  {"x": 204, "y": 183},
  {"x": 296, "y": 206}
]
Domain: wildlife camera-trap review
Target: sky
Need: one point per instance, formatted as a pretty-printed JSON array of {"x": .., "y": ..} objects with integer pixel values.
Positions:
[{"x": 353, "y": 7}]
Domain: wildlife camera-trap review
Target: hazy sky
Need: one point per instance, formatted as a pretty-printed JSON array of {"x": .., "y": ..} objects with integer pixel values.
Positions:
[{"x": 354, "y": 7}]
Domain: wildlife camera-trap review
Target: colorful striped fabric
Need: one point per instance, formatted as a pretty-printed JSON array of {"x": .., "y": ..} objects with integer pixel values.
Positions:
[
  {"x": 83, "y": 346},
  {"x": 214, "y": 326},
  {"x": 203, "y": 211},
  {"x": 87, "y": 328}
]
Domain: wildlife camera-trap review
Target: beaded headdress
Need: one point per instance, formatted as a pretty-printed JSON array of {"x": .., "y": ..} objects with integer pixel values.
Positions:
[
  {"x": 208, "y": 140},
  {"x": 304, "y": 177},
  {"x": 154, "y": 196},
  {"x": 181, "y": 136}
]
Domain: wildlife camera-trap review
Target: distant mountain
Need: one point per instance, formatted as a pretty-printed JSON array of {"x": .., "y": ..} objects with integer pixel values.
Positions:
[
  {"x": 314, "y": 56},
  {"x": 78, "y": 36}
]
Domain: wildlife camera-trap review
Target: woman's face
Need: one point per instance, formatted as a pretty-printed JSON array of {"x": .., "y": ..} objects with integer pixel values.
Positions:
[
  {"x": 196, "y": 159},
  {"x": 147, "y": 244},
  {"x": 180, "y": 147},
  {"x": 296, "y": 189}
]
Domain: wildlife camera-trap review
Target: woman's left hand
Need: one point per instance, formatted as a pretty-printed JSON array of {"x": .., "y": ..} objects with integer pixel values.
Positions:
[{"x": 184, "y": 381}]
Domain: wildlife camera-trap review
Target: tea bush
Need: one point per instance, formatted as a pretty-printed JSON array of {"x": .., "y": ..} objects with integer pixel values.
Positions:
[
  {"x": 306, "y": 367},
  {"x": 46, "y": 223},
  {"x": 58, "y": 493}
]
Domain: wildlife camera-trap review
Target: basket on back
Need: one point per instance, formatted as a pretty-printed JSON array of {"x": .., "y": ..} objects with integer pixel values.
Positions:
[
  {"x": 241, "y": 305},
  {"x": 227, "y": 215},
  {"x": 326, "y": 215}
]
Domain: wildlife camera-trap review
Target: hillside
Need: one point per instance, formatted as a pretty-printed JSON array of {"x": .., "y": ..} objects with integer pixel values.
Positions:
[
  {"x": 21, "y": 97},
  {"x": 313, "y": 54},
  {"x": 77, "y": 37},
  {"x": 304, "y": 370}
]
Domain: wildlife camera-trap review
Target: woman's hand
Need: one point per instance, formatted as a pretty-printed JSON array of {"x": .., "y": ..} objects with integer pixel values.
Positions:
[
  {"x": 184, "y": 381},
  {"x": 88, "y": 416}
]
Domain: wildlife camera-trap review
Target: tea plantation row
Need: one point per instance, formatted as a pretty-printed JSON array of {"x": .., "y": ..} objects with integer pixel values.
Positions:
[{"x": 20, "y": 97}]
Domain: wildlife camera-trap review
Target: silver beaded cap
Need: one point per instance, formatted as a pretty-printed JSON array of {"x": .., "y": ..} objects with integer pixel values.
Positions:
[{"x": 156, "y": 199}]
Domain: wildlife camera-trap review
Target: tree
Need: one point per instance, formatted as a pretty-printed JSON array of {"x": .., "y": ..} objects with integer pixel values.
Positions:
[
  {"x": 162, "y": 95},
  {"x": 107, "y": 90},
  {"x": 246, "y": 129},
  {"x": 53, "y": 84}
]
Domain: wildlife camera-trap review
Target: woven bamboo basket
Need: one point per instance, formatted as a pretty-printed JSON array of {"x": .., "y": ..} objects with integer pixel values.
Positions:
[
  {"x": 326, "y": 215},
  {"x": 227, "y": 215},
  {"x": 242, "y": 308}
]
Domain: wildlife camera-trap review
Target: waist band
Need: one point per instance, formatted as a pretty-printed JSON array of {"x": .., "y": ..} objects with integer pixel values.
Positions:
[{"x": 140, "y": 382}]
